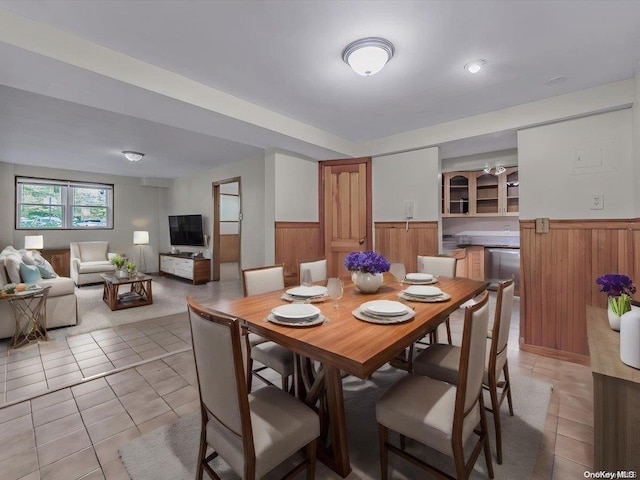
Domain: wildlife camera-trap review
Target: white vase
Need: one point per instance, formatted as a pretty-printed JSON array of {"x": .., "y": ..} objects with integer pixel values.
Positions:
[
  {"x": 630, "y": 337},
  {"x": 614, "y": 320},
  {"x": 367, "y": 282}
]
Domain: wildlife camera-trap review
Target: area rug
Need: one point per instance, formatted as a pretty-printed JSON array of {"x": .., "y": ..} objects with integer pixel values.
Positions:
[{"x": 170, "y": 452}]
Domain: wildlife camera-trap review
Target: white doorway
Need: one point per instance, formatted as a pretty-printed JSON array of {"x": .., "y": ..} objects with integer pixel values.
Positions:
[{"x": 227, "y": 230}]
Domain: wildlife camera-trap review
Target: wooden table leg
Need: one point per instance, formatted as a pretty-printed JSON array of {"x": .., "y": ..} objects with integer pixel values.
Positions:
[{"x": 337, "y": 421}]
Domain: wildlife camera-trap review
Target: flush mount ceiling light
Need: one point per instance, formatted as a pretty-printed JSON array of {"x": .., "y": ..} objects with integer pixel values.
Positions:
[
  {"x": 133, "y": 156},
  {"x": 368, "y": 55},
  {"x": 474, "y": 66}
]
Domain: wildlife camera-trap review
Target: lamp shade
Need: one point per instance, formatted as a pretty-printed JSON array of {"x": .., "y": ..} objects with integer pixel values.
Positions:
[
  {"x": 140, "y": 237},
  {"x": 33, "y": 242}
]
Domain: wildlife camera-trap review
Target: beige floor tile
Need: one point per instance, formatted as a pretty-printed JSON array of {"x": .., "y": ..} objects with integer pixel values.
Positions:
[
  {"x": 14, "y": 411},
  {"x": 58, "y": 362},
  {"x": 96, "y": 352},
  {"x": 114, "y": 347},
  {"x": 115, "y": 471},
  {"x": 82, "y": 339},
  {"x": 146, "y": 411},
  {"x": 169, "y": 385},
  {"x": 88, "y": 387},
  {"x": 181, "y": 396},
  {"x": 94, "y": 398},
  {"x": 56, "y": 355},
  {"x": 93, "y": 361},
  {"x": 574, "y": 450},
  {"x": 109, "y": 427},
  {"x": 564, "y": 469},
  {"x": 31, "y": 476},
  {"x": 576, "y": 413},
  {"x": 188, "y": 408},
  {"x": 62, "y": 370},
  {"x": 97, "y": 474},
  {"x": 66, "y": 379},
  {"x": 140, "y": 396},
  {"x": 17, "y": 364},
  {"x": 26, "y": 380},
  {"x": 104, "y": 334},
  {"x": 125, "y": 361},
  {"x": 157, "y": 422},
  {"x": 139, "y": 349},
  {"x": 17, "y": 443},
  {"x": 125, "y": 352},
  {"x": 54, "y": 412},
  {"x": 102, "y": 411},
  {"x": 58, "y": 428},
  {"x": 24, "y": 371},
  {"x": 139, "y": 340},
  {"x": 544, "y": 465},
  {"x": 19, "y": 465},
  {"x": 71, "y": 467},
  {"x": 128, "y": 386},
  {"x": 105, "y": 342},
  {"x": 84, "y": 348},
  {"x": 122, "y": 376},
  {"x": 26, "y": 392},
  {"x": 98, "y": 369},
  {"x": 156, "y": 352},
  {"x": 63, "y": 447},
  {"x": 107, "y": 450}
]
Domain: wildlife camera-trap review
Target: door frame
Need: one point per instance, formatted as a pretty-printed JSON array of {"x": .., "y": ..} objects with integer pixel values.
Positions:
[
  {"x": 369, "y": 203},
  {"x": 215, "y": 243}
]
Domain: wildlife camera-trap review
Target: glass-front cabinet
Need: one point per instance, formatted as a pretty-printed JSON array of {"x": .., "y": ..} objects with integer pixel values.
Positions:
[
  {"x": 456, "y": 193},
  {"x": 480, "y": 194}
]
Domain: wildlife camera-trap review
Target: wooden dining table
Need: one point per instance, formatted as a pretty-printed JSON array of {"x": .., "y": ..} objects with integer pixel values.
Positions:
[{"x": 344, "y": 345}]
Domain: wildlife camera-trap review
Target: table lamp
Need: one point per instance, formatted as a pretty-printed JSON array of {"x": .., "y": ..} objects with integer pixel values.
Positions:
[
  {"x": 141, "y": 238},
  {"x": 34, "y": 242}
]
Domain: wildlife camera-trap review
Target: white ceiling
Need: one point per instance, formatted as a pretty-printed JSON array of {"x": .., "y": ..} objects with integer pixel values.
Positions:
[{"x": 285, "y": 57}]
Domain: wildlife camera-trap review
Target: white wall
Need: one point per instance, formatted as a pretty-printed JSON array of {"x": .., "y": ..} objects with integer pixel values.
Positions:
[
  {"x": 563, "y": 165},
  {"x": 636, "y": 142},
  {"x": 296, "y": 189},
  {"x": 406, "y": 177},
  {"x": 135, "y": 208},
  {"x": 194, "y": 195}
]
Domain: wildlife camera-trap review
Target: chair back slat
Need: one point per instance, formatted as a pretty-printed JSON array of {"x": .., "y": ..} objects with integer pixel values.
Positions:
[
  {"x": 256, "y": 281},
  {"x": 472, "y": 354},
  {"x": 438, "y": 266},
  {"x": 217, "y": 349}
]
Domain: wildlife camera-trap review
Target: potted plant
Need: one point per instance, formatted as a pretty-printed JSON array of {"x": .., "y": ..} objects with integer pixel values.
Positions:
[
  {"x": 618, "y": 288},
  {"x": 131, "y": 268},
  {"x": 119, "y": 262},
  {"x": 366, "y": 270}
]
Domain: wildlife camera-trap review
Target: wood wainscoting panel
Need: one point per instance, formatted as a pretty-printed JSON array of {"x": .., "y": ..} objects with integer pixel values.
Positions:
[
  {"x": 296, "y": 242},
  {"x": 558, "y": 271},
  {"x": 229, "y": 248},
  {"x": 399, "y": 244}
]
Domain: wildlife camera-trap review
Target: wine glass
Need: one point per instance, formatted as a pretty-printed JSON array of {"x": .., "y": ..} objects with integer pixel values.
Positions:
[
  {"x": 334, "y": 290},
  {"x": 305, "y": 279},
  {"x": 398, "y": 271}
]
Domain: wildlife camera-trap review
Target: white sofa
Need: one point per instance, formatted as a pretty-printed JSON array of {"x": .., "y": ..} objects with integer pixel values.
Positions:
[
  {"x": 89, "y": 260},
  {"x": 62, "y": 304}
]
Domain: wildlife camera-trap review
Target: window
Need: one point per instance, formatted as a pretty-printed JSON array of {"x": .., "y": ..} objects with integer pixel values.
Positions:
[{"x": 58, "y": 204}]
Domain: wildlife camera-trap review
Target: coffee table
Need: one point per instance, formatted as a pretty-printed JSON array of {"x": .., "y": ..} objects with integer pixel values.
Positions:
[{"x": 138, "y": 295}]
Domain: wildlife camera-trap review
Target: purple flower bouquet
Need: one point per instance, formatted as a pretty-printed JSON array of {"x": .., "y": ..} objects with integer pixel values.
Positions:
[
  {"x": 368, "y": 262},
  {"x": 618, "y": 288}
]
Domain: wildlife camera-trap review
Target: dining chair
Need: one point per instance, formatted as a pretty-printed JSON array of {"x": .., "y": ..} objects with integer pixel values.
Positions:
[
  {"x": 252, "y": 432},
  {"x": 440, "y": 267},
  {"x": 318, "y": 269},
  {"x": 441, "y": 415},
  {"x": 256, "y": 281},
  {"x": 441, "y": 361}
]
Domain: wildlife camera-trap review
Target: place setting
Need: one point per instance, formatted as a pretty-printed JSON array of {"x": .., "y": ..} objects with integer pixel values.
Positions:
[
  {"x": 420, "y": 279},
  {"x": 296, "y": 315},
  {"x": 308, "y": 294},
  {"x": 424, "y": 293},
  {"x": 384, "y": 312}
]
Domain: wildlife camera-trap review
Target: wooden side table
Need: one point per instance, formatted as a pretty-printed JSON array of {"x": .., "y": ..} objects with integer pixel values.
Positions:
[{"x": 30, "y": 314}]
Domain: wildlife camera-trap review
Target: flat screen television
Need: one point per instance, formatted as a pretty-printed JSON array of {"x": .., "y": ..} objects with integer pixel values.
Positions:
[{"x": 186, "y": 230}]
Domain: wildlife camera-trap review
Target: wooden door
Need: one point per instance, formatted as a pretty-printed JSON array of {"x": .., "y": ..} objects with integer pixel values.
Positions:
[{"x": 345, "y": 210}]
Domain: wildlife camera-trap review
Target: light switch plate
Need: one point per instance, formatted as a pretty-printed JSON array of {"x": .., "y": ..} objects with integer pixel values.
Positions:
[{"x": 542, "y": 225}]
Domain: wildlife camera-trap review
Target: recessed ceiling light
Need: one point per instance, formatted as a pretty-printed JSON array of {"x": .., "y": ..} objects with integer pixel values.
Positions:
[
  {"x": 133, "y": 156},
  {"x": 368, "y": 56},
  {"x": 474, "y": 66}
]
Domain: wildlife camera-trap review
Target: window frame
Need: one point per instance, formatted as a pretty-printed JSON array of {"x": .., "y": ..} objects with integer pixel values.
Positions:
[{"x": 67, "y": 204}]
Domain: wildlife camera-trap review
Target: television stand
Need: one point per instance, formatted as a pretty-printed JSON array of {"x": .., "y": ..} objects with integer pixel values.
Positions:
[{"x": 183, "y": 265}]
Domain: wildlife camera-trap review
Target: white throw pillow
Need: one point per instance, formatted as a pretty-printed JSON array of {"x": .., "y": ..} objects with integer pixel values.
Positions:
[
  {"x": 12, "y": 265},
  {"x": 28, "y": 258}
]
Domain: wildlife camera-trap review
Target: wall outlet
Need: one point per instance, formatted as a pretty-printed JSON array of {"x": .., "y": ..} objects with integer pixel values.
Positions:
[
  {"x": 597, "y": 202},
  {"x": 542, "y": 225},
  {"x": 507, "y": 228}
]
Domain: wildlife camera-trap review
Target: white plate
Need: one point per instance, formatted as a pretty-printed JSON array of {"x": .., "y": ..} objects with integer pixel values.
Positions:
[
  {"x": 419, "y": 277},
  {"x": 384, "y": 308},
  {"x": 423, "y": 291},
  {"x": 295, "y": 311},
  {"x": 317, "y": 320},
  {"x": 362, "y": 315},
  {"x": 440, "y": 298},
  {"x": 305, "y": 292}
]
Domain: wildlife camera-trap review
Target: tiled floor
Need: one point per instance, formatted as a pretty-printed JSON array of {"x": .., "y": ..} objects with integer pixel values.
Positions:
[{"x": 76, "y": 432}]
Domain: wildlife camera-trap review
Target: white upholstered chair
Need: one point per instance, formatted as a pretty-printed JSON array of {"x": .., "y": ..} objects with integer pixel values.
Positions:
[
  {"x": 256, "y": 281},
  {"x": 440, "y": 267},
  {"x": 88, "y": 260},
  {"x": 318, "y": 269},
  {"x": 438, "y": 414},
  {"x": 441, "y": 361},
  {"x": 253, "y": 433}
]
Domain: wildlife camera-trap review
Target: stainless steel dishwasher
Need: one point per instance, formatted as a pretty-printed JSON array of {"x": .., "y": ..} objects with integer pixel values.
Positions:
[{"x": 502, "y": 264}]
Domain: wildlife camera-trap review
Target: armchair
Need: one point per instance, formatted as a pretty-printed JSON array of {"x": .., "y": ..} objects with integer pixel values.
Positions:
[{"x": 89, "y": 260}]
